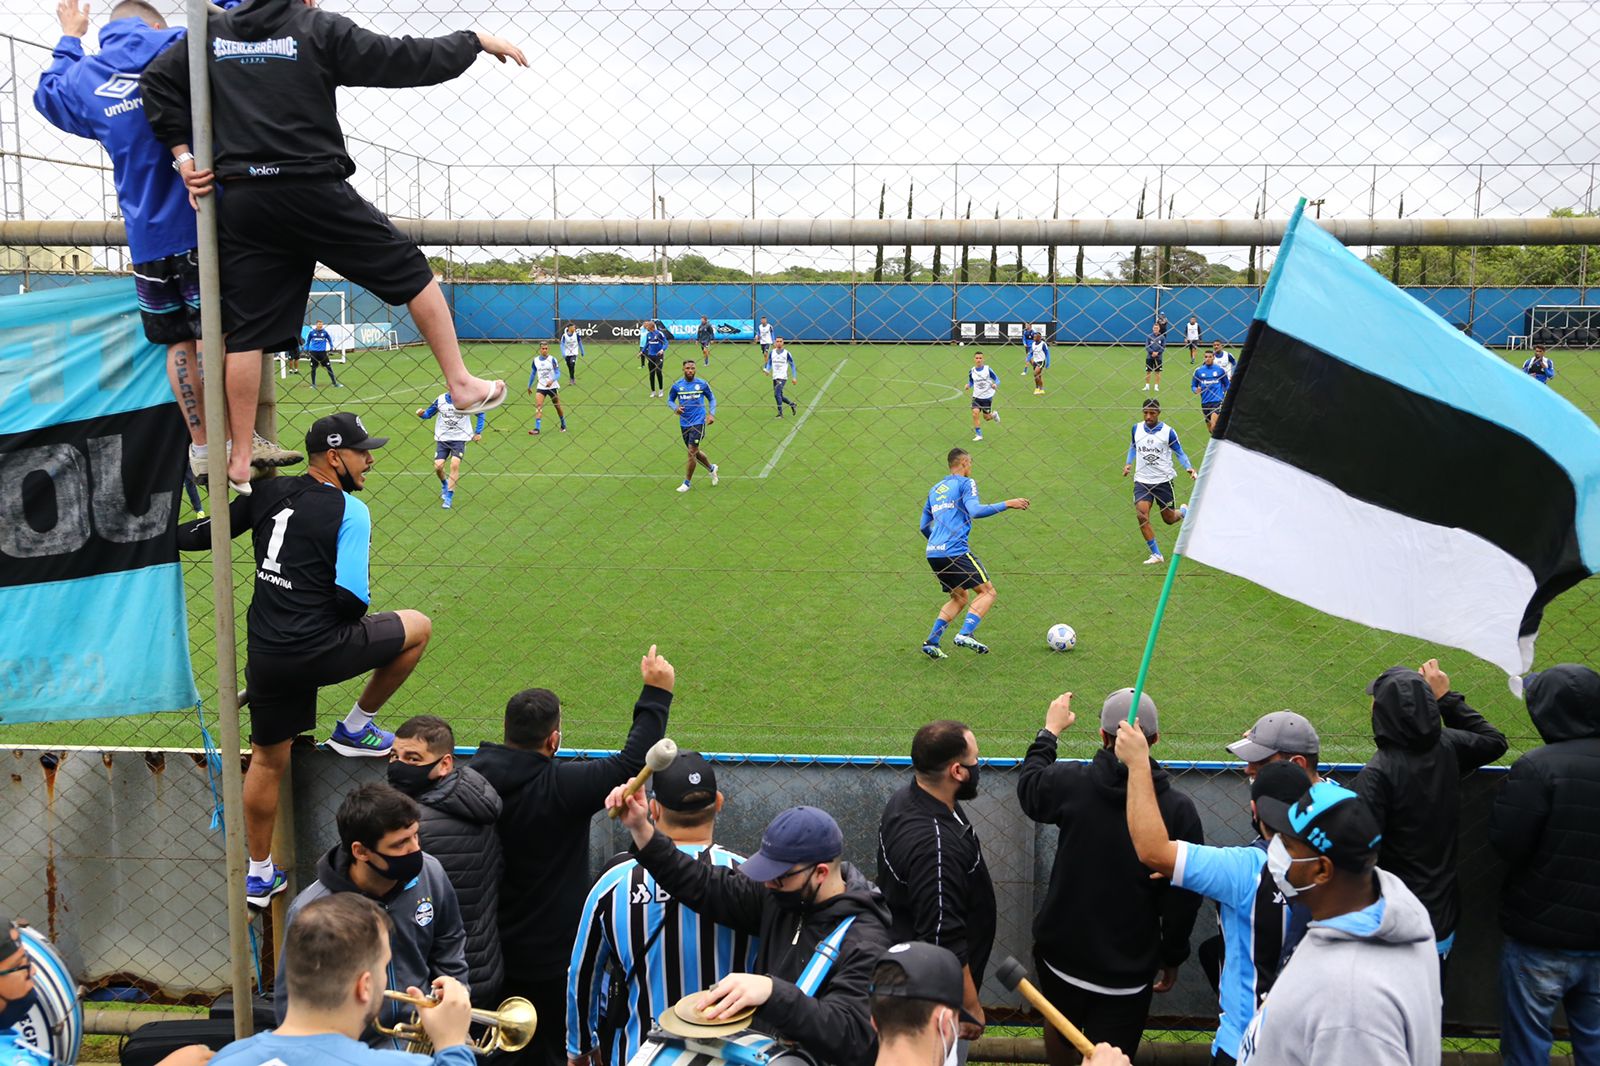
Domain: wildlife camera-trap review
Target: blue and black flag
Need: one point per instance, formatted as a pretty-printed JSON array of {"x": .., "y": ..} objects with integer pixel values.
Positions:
[{"x": 1375, "y": 463}]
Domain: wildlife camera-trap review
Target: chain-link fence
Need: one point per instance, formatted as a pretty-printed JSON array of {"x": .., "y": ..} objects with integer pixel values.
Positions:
[{"x": 793, "y": 594}]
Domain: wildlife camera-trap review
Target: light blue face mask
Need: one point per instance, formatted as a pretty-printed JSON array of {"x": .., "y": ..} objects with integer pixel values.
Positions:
[{"x": 1278, "y": 862}]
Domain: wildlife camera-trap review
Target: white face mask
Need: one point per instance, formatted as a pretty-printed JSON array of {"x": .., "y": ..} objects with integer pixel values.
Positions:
[
  {"x": 950, "y": 1042},
  {"x": 1278, "y": 862}
]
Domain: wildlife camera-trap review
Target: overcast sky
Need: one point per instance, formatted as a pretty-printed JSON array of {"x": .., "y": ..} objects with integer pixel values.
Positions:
[{"x": 816, "y": 104}]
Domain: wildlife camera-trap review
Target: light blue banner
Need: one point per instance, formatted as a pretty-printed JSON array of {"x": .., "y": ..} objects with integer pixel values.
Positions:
[{"x": 684, "y": 330}]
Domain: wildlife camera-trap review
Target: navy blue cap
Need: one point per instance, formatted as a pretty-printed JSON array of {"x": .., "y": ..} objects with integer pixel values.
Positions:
[
  {"x": 797, "y": 836},
  {"x": 1331, "y": 819}
]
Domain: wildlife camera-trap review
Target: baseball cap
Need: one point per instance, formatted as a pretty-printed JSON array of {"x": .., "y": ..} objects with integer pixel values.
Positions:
[
  {"x": 341, "y": 430},
  {"x": 1283, "y": 781},
  {"x": 795, "y": 837},
  {"x": 1275, "y": 733},
  {"x": 931, "y": 972},
  {"x": 1330, "y": 819},
  {"x": 1116, "y": 707},
  {"x": 689, "y": 784}
]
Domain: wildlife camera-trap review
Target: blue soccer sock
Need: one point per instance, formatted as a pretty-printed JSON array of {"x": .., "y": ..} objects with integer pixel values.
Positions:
[
  {"x": 938, "y": 631},
  {"x": 536, "y": 422},
  {"x": 971, "y": 623},
  {"x": 1153, "y": 549}
]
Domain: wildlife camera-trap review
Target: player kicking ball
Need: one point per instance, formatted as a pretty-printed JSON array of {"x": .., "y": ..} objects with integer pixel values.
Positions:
[
  {"x": 947, "y": 518},
  {"x": 692, "y": 401},
  {"x": 451, "y": 433},
  {"x": 982, "y": 380},
  {"x": 1153, "y": 447},
  {"x": 546, "y": 374}
]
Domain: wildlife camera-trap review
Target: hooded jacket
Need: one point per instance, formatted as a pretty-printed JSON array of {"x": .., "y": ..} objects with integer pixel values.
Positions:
[
  {"x": 98, "y": 97},
  {"x": 546, "y": 807},
  {"x": 1087, "y": 802},
  {"x": 276, "y": 67},
  {"x": 1353, "y": 994},
  {"x": 427, "y": 940},
  {"x": 1413, "y": 783},
  {"x": 835, "y": 1024},
  {"x": 458, "y": 828},
  {"x": 1545, "y": 822}
]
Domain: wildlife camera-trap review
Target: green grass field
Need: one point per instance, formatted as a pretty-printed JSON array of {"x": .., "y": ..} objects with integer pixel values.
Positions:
[{"x": 793, "y": 596}]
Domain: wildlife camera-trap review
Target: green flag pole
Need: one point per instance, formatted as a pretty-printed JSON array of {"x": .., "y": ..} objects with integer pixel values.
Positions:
[{"x": 1155, "y": 629}]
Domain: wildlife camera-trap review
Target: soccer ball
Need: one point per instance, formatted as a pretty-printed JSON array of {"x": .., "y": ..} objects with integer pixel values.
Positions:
[{"x": 1061, "y": 637}]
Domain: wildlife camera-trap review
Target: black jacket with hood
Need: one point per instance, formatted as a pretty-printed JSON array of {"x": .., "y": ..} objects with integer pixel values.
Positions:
[
  {"x": 1546, "y": 820},
  {"x": 546, "y": 807},
  {"x": 276, "y": 67},
  {"x": 1413, "y": 782},
  {"x": 834, "y": 1025},
  {"x": 458, "y": 828},
  {"x": 1104, "y": 920}
]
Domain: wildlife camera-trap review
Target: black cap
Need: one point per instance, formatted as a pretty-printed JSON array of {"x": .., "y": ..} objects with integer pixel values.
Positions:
[
  {"x": 689, "y": 784},
  {"x": 932, "y": 973},
  {"x": 1283, "y": 781},
  {"x": 342, "y": 430},
  {"x": 1331, "y": 820}
]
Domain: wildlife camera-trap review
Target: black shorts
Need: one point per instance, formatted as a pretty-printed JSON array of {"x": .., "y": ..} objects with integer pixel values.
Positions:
[
  {"x": 1152, "y": 360},
  {"x": 274, "y": 233},
  {"x": 552, "y": 393},
  {"x": 1161, "y": 494},
  {"x": 1209, "y": 409},
  {"x": 958, "y": 571},
  {"x": 283, "y": 687},
  {"x": 693, "y": 435},
  {"x": 169, "y": 298},
  {"x": 983, "y": 403},
  {"x": 443, "y": 449},
  {"x": 319, "y": 357}
]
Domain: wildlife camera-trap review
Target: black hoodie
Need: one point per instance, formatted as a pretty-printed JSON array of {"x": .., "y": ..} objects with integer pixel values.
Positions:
[
  {"x": 1413, "y": 783},
  {"x": 276, "y": 67},
  {"x": 1104, "y": 920},
  {"x": 546, "y": 807},
  {"x": 1546, "y": 820},
  {"x": 458, "y": 828},
  {"x": 834, "y": 1025}
]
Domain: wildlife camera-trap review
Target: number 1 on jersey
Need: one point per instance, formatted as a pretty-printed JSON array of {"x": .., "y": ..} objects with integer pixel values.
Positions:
[{"x": 280, "y": 524}]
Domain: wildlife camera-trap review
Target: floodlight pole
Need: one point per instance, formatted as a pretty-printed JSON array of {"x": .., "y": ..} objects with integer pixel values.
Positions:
[{"x": 221, "y": 529}]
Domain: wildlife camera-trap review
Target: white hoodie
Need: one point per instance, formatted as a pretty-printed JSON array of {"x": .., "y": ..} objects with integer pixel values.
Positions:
[{"x": 1353, "y": 995}]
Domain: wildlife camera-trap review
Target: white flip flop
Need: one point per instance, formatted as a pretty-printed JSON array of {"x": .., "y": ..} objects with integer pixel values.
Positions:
[
  {"x": 494, "y": 400},
  {"x": 242, "y": 488}
]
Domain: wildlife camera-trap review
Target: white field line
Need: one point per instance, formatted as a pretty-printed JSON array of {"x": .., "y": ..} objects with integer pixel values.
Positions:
[{"x": 812, "y": 406}]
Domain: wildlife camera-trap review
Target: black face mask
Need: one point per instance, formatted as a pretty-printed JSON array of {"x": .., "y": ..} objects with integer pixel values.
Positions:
[
  {"x": 411, "y": 778},
  {"x": 14, "y": 1011},
  {"x": 401, "y": 868},
  {"x": 347, "y": 480},
  {"x": 797, "y": 899},
  {"x": 968, "y": 789}
]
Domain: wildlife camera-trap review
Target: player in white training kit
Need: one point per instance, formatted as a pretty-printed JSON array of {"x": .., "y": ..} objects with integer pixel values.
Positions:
[
  {"x": 982, "y": 380},
  {"x": 451, "y": 432},
  {"x": 780, "y": 364},
  {"x": 764, "y": 337},
  {"x": 571, "y": 349},
  {"x": 1191, "y": 336},
  {"x": 1151, "y": 450},
  {"x": 546, "y": 373},
  {"x": 1224, "y": 359}
]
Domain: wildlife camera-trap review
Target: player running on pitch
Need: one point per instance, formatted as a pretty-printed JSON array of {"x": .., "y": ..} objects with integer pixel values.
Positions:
[
  {"x": 1191, "y": 336},
  {"x": 571, "y": 349},
  {"x": 1153, "y": 447},
  {"x": 451, "y": 432},
  {"x": 982, "y": 380},
  {"x": 947, "y": 519},
  {"x": 1210, "y": 383},
  {"x": 706, "y": 336},
  {"x": 653, "y": 345},
  {"x": 1155, "y": 350},
  {"x": 1040, "y": 358},
  {"x": 764, "y": 337},
  {"x": 1029, "y": 335},
  {"x": 546, "y": 373},
  {"x": 696, "y": 408},
  {"x": 319, "y": 342},
  {"x": 1224, "y": 359},
  {"x": 780, "y": 364}
]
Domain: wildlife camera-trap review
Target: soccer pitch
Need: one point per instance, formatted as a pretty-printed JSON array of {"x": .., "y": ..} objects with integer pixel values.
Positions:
[{"x": 793, "y": 596}]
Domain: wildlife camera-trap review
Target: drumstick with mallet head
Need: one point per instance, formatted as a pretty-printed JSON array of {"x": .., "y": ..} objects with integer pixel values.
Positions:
[
  {"x": 660, "y": 756},
  {"x": 1012, "y": 974}
]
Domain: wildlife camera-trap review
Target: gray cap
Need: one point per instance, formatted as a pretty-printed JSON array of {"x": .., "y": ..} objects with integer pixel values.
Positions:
[
  {"x": 1116, "y": 707},
  {"x": 1276, "y": 733}
]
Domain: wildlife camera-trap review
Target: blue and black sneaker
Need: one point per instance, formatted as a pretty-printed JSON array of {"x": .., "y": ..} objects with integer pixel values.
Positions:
[
  {"x": 371, "y": 742},
  {"x": 258, "y": 891},
  {"x": 933, "y": 651}
]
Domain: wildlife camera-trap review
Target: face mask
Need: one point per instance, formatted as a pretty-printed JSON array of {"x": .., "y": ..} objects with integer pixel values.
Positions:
[
  {"x": 347, "y": 480},
  {"x": 968, "y": 789},
  {"x": 401, "y": 868},
  {"x": 14, "y": 1011},
  {"x": 1278, "y": 862},
  {"x": 411, "y": 778},
  {"x": 951, "y": 1041},
  {"x": 796, "y": 899}
]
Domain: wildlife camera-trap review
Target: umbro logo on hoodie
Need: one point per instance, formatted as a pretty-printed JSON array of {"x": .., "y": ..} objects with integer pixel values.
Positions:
[{"x": 119, "y": 86}]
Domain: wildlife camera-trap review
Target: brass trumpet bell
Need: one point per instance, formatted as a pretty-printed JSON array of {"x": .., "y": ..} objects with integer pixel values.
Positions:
[{"x": 509, "y": 1028}]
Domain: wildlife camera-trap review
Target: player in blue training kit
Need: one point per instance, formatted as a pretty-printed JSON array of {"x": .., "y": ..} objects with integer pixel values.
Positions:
[
  {"x": 982, "y": 380},
  {"x": 1541, "y": 367},
  {"x": 947, "y": 519},
  {"x": 1210, "y": 383},
  {"x": 319, "y": 342},
  {"x": 653, "y": 345},
  {"x": 1155, "y": 350},
  {"x": 696, "y": 408},
  {"x": 1153, "y": 447},
  {"x": 1029, "y": 335}
]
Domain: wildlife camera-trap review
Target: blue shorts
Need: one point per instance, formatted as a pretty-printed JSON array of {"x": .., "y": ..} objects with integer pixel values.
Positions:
[
  {"x": 1161, "y": 494},
  {"x": 443, "y": 449},
  {"x": 168, "y": 291},
  {"x": 958, "y": 571},
  {"x": 693, "y": 435},
  {"x": 1209, "y": 409}
]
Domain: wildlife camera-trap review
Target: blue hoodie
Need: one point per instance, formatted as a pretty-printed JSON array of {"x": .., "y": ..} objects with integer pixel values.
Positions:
[{"x": 98, "y": 97}]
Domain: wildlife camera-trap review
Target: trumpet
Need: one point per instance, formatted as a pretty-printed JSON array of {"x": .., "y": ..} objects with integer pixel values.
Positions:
[{"x": 510, "y": 1028}]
